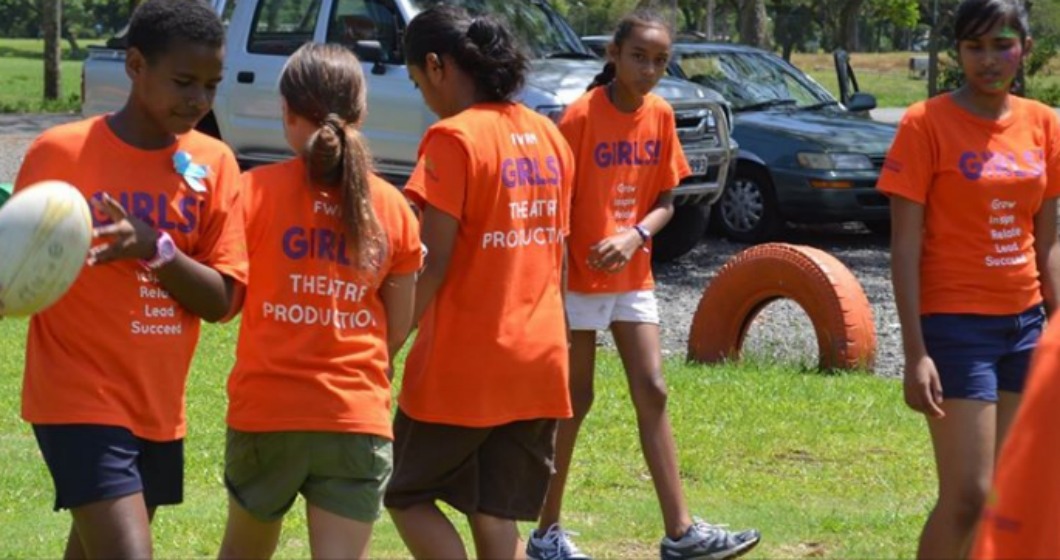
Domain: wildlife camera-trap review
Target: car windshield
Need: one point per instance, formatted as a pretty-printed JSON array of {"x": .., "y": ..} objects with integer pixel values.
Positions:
[
  {"x": 751, "y": 80},
  {"x": 543, "y": 31}
]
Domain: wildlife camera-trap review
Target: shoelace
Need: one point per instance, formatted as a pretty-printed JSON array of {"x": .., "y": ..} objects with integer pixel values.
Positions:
[{"x": 560, "y": 539}]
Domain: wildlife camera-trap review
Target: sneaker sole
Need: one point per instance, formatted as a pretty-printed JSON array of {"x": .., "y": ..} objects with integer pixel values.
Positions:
[{"x": 730, "y": 554}]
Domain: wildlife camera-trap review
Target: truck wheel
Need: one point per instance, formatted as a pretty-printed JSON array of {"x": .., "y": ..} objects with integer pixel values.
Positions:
[
  {"x": 818, "y": 282},
  {"x": 748, "y": 210},
  {"x": 682, "y": 234}
]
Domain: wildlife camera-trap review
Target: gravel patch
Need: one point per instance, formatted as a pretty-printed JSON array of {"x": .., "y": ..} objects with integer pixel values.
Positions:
[
  {"x": 782, "y": 331},
  {"x": 16, "y": 134}
]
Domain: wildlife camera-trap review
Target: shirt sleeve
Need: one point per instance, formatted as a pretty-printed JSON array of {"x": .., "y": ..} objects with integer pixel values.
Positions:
[
  {"x": 405, "y": 240},
  {"x": 572, "y": 127},
  {"x": 441, "y": 174},
  {"x": 42, "y": 160},
  {"x": 672, "y": 156},
  {"x": 1052, "y": 156},
  {"x": 222, "y": 241},
  {"x": 909, "y": 166}
]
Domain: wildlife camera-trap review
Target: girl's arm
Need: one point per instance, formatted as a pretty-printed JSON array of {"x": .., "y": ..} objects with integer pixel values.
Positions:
[
  {"x": 612, "y": 253},
  {"x": 923, "y": 391},
  {"x": 195, "y": 286},
  {"x": 1047, "y": 252},
  {"x": 438, "y": 232},
  {"x": 398, "y": 293}
]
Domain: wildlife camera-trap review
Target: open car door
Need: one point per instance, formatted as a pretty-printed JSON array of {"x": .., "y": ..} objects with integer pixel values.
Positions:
[{"x": 850, "y": 94}]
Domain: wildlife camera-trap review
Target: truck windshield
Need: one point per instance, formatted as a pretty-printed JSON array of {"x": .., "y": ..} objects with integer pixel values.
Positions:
[{"x": 542, "y": 30}]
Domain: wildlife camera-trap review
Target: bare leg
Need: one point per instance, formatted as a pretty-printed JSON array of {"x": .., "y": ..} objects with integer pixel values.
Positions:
[
  {"x": 115, "y": 528},
  {"x": 964, "y": 455},
  {"x": 334, "y": 536},
  {"x": 638, "y": 345},
  {"x": 248, "y": 537},
  {"x": 582, "y": 365},
  {"x": 496, "y": 538},
  {"x": 428, "y": 533}
]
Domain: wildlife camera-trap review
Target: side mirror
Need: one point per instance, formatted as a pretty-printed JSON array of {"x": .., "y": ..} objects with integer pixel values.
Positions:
[
  {"x": 860, "y": 102},
  {"x": 371, "y": 51}
]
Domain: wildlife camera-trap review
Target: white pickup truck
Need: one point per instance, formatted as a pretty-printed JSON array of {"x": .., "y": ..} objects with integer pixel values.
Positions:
[{"x": 263, "y": 33}]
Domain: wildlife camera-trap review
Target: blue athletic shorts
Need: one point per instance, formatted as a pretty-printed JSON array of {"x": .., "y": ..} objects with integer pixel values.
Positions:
[
  {"x": 91, "y": 463},
  {"x": 979, "y": 355}
]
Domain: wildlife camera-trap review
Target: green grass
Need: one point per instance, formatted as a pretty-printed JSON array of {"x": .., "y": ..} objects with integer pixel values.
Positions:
[
  {"x": 22, "y": 66},
  {"x": 831, "y": 466},
  {"x": 886, "y": 76}
]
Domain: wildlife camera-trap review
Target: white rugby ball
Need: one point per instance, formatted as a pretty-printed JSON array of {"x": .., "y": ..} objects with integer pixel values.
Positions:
[{"x": 45, "y": 234}]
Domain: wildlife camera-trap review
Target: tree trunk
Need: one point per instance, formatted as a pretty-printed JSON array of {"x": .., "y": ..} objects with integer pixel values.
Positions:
[
  {"x": 711, "y": 7},
  {"x": 848, "y": 25},
  {"x": 75, "y": 49},
  {"x": 753, "y": 23},
  {"x": 51, "y": 21},
  {"x": 933, "y": 61}
]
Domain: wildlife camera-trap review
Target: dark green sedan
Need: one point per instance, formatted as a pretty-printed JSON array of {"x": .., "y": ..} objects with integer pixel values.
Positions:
[{"x": 804, "y": 156}]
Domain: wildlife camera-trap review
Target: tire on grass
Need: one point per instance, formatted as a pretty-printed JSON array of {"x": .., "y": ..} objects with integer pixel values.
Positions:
[{"x": 825, "y": 289}]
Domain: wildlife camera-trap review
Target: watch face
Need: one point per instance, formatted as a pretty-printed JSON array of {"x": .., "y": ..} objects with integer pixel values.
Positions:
[{"x": 166, "y": 248}]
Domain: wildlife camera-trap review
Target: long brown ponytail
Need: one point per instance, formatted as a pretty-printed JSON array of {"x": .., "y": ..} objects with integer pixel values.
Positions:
[{"x": 325, "y": 84}]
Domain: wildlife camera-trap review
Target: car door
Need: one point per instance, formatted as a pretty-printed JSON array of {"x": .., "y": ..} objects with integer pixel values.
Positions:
[
  {"x": 397, "y": 116},
  {"x": 251, "y": 120}
]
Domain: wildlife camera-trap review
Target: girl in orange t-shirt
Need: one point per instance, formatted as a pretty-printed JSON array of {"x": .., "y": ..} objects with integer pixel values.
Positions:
[
  {"x": 628, "y": 160},
  {"x": 973, "y": 177},
  {"x": 333, "y": 251},
  {"x": 486, "y": 378},
  {"x": 107, "y": 364}
]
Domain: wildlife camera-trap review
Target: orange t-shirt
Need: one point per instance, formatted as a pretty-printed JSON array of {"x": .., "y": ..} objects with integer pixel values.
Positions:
[
  {"x": 312, "y": 353},
  {"x": 1022, "y": 515},
  {"x": 115, "y": 350},
  {"x": 624, "y": 161},
  {"x": 981, "y": 183},
  {"x": 492, "y": 346}
]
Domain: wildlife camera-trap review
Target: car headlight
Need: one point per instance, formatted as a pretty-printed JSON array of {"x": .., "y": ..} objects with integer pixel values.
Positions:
[
  {"x": 834, "y": 161},
  {"x": 553, "y": 112}
]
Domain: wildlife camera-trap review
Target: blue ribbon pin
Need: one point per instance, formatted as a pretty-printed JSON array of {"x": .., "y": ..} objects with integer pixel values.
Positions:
[{"x": 192, "y": 172}]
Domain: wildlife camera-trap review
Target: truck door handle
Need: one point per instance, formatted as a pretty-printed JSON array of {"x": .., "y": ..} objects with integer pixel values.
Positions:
[{"x": 245, "y": 77}]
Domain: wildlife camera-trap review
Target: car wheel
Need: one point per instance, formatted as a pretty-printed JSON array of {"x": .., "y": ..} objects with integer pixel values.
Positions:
[
  {"x": 747, "y": 211},
  {"x": 682, "y": 233},
  {"x": 879, "y": 227}
]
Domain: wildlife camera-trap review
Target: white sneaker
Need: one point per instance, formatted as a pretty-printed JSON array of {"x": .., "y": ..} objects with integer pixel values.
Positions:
[
  {"x": 704, "y": 541},
  {"x": 554, "y": 544}
]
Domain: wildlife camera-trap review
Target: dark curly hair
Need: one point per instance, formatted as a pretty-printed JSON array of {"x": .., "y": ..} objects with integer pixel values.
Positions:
[
  {"x": 157, "y": 24},
  {"x": 482, "y": 46}
]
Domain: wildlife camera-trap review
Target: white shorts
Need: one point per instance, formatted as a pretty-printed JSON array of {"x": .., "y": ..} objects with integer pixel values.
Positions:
[{"x": 596, "y": 312}]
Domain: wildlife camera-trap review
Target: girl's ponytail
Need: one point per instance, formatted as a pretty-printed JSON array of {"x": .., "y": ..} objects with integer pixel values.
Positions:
[
  {"x": 606, "y": 76},
  {"x": 324, "y": 83}
]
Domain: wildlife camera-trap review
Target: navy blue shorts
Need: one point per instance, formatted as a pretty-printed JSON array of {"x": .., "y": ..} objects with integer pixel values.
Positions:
[
  {"x": 90, "y": 463},
  {"x": 979, "y": 355}
]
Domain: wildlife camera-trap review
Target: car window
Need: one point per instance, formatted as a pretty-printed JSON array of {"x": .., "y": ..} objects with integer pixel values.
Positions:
[
  {"x": 281, "y": 26},
  {"x": 750, "y": 78},
  {"x": 366, "y": 24}
]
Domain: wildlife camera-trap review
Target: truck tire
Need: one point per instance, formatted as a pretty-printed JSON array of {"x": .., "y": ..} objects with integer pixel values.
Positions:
[
  {"x": 685, "y": 230},
  {"x": 748, "y": 211},
  {"x": 825, "y": 289}
]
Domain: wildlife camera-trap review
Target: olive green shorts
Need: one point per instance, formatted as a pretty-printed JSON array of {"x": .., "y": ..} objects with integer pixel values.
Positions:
[{"x": 342, "y": 473}]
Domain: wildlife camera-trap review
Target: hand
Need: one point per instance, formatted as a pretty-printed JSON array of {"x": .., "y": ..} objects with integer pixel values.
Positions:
[
  {"x": 923, "y": 390},
  {"x": 130, "y": 237},
  {"x": 613, "y": 253}
]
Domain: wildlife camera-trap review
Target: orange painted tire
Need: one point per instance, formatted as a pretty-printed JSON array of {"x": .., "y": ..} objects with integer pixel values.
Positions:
[{"x": 825, "y": 288}]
